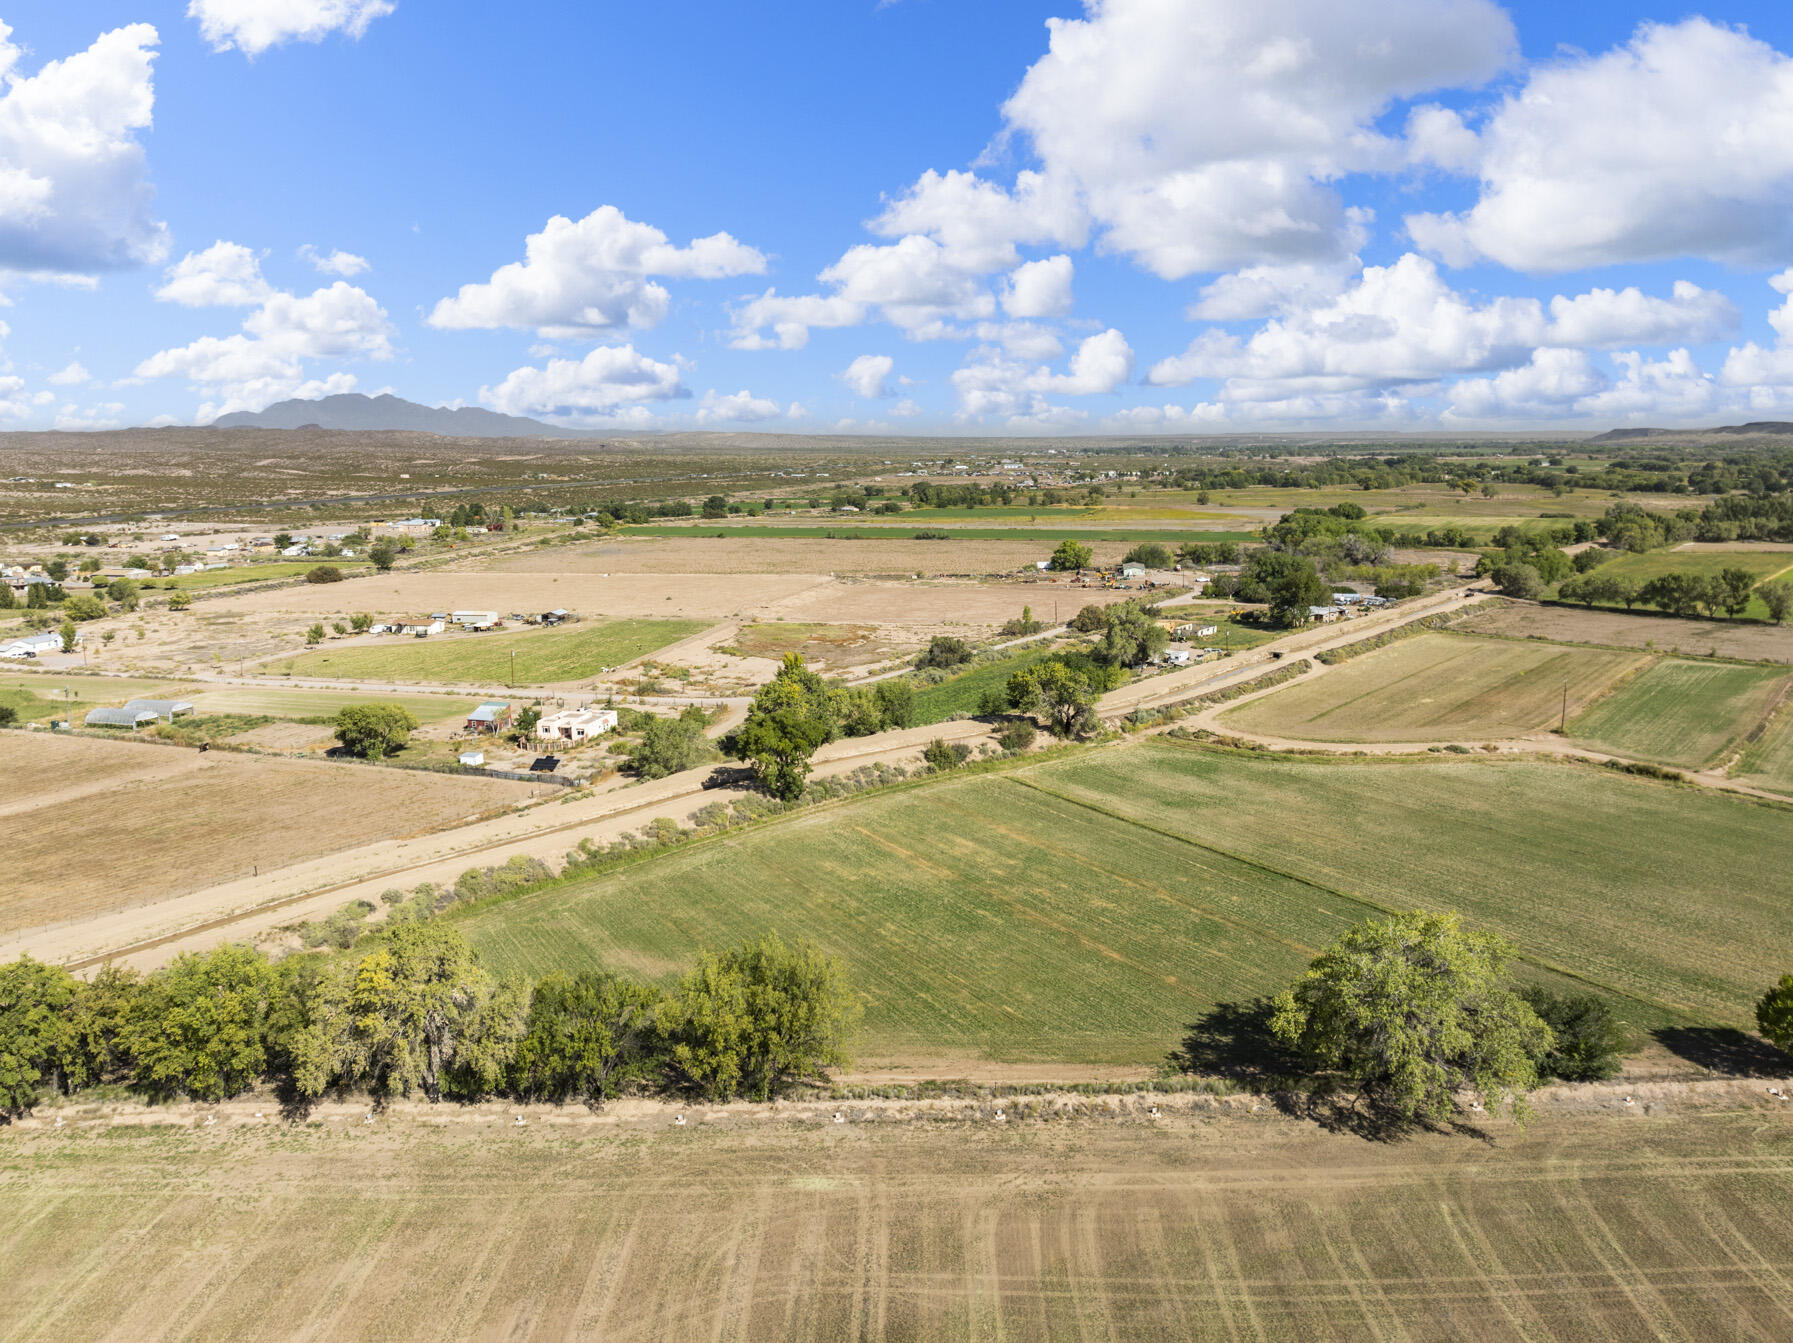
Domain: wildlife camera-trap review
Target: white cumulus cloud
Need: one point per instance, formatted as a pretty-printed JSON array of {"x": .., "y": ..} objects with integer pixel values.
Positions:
[
  {"x": 609, "y": 381},
  {"x": 252, "y": 26},
  {"x": 869, "y": 375},
  {"x": 74, "y": 189},
  {"x": 345, "y": 264},
  {"x": 1678, "y": 143},
  {"x": 1039, "y": 288},
  {"x": 790, "y": 316},
  {"x": 583, "y": 278},
  {"x": 741, "y": 408},
  {"x": 72, "y": 376},
  {"x": 226, "y": 274},
  {"x": 1608, "y": 318},
  {"x": 265, "y": 362}
]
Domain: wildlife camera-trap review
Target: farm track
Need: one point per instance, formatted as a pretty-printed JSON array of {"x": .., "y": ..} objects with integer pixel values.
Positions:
[{"x": 151, "y": 934}]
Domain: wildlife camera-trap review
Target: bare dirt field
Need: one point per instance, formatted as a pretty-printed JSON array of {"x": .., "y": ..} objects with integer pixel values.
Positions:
[
  {"x": 155, "y": 821},
  {"x": 590, "y": 594},
  {"x": 1067, "y": 1218},
  {"x": 943, "y": 602},
  {"x": 1721, "y": 638},
  {"x": 777, "y": 555}
]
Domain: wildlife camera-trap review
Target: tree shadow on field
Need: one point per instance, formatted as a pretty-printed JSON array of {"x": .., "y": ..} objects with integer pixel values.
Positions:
[
  {"x": 1234, "y": 1041},
  {"x": 1723, "y": 1049}
]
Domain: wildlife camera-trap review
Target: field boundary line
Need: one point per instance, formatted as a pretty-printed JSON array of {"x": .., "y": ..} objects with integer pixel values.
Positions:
[{"x": 1364, "y": 900}]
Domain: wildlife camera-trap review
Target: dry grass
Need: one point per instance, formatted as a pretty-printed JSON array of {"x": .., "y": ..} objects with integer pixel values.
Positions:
[
  {"x": 1200, "y": 1225},
  {"x": 1568, "y": 624},
  {"x": 1437, "y": 687},
  {"x": 158, "y": 821}
]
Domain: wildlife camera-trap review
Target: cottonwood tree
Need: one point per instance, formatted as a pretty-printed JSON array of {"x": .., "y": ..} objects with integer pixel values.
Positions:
[
  {"x": 1778, "y": 598},
  {"x": 752, "y": 1021},
  {"x": 39, "y": 1045},
  {"x": 1774, "y": 1015},
  {"x": 1131, "y": 637},
  {"x": 374, "y": 731},
  {"x": 793, "y": 716},
  {"x": 199, "y": 1026},
  {"x": 1071, "y": 555},
  {"x": 416, "y": 1014},
  {"x": 1414, "y": 1009},
  {"x": 588, "y": 1037},
  {"x": 1058, "y": 695}
]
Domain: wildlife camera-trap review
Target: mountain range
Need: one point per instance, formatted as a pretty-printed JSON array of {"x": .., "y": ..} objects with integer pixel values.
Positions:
[{"x": 352, "y": 411}]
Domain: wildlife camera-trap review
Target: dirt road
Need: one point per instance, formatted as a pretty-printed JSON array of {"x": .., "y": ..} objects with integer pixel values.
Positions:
[{"x": 150, "y": 935}]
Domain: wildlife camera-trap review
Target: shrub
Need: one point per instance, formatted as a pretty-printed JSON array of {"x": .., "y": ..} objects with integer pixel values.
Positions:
[
  {"x": 1589, "y": 1038},
  {"x": 945, "y": 652},
  {"x": 942, "y": 755},
  {"x": 1017, "y": 736},
  {"x": 324, "y": 573}
]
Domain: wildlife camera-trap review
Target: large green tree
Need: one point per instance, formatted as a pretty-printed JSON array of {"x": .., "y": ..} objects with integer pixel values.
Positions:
[
  {"x": 1774, "y": 1015},
  {"x": 374, "y": 731},
  {"x": 752, "y": 1021},
  {"x": 418, "y": 1013},
  {"x": 1291, "y": 585},
  {"x": 588, "y": 1037},
  {"x": 199, "y": 1026},
  {"x": 1058, "y": 695},
  {"x": 1778, "y": 598},
  {"x": 1132, "y": 636},
  {"x": 672, "y": 745},
  {"x": 1414, "y": 1009},
  {"x": 1071, "y": 555},
  {"x": 794, "y": 715},
  {"x": 39, "y": 1046}
]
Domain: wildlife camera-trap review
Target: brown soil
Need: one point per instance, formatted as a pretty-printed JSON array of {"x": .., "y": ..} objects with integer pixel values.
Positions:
[
  {"x": 167, "y": 819},
  {"x": 777, "y": 555},
  {"x": 1723, "y": 638}
]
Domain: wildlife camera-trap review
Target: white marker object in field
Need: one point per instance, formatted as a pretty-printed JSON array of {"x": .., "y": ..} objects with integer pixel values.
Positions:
[
  {"x": 839, "y": 1118},
  {"x": 679, "y": 1122}
]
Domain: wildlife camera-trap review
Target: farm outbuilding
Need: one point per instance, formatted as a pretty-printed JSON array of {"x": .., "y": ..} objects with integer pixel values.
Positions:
[
  {"x": 161, "y": 708},
  {"x": 127, "y": 718},
  {"x": 492, "y": 716}
]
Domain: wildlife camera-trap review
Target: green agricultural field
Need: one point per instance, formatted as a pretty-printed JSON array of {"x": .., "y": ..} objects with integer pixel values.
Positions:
[
  {"x": 254, "y": 573},
  {"x": 1680, "y": 713},
  {"x": 1768, "y": 761},
  {"x": 904, "y": 527},
  {"x": 962, "y": 694},
  {"x": 1437, "y": 687},
  {"x": 1087, "y": 910},
  {"x": 1764, "y": 564},
  {"x": 543, "y": 656}
]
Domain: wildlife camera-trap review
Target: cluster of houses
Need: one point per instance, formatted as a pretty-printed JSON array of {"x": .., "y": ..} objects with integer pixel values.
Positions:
[
  {"x": 1344, "y": 604},
  {"x": 20, "y": 577},
  {"x": 566, "y": 725},
  {"x": 422, "y": 627}
]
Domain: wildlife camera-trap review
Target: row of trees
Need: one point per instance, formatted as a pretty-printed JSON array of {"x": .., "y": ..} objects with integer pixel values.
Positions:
[
  {"x": 418, "y": 1014},
  {"x": 1683, "y": 594}
]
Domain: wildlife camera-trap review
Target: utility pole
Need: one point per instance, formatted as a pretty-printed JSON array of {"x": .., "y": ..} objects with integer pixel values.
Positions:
[
  {"x": 1563, "y": 727},
  {"x": 513, "y": 680}
]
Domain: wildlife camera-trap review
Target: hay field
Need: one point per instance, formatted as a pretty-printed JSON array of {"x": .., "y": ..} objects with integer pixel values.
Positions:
[
  {"x": 1590, "y": 1227},
  {"x": 1680, "y": 713},
  {"x": 1087, "y": 910},
  {"x": 695, "y": 553},
  {"x": 543, "y": 657},
  {"x": 156, "y": 821},
  {"x": 1768, "y": 761},
  {"x": 1437, "y": 687},
  {"x": 1658, "y": 633},
  {"x": 1708, "y": 561},
  {"x": 591, "y": 595}
]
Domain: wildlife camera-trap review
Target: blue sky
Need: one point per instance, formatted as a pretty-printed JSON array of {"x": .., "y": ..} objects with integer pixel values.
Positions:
[{"x": 1167, "y": 216}]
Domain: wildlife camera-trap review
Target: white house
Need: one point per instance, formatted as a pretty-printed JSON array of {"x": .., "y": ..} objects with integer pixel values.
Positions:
[
  {"x": 35, "y": 645},
  {"x": 1323, "y": 614},
  {"x": 1177, "y": 657},
  {"x": 474, "y": 620},
  {"x": 575, "y": 724},
  {"x": 418, "y": 626}
]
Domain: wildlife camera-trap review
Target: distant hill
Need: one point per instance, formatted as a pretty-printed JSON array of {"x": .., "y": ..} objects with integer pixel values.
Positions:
[
  {"x": 354, "y": 411},
  {"x": 1754, "y": 429}
]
